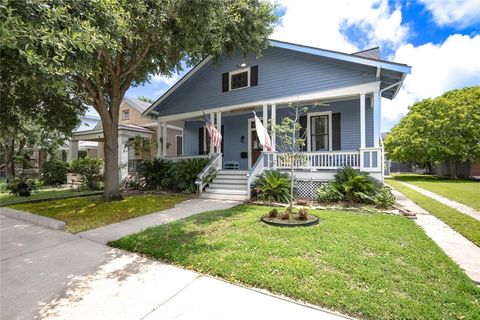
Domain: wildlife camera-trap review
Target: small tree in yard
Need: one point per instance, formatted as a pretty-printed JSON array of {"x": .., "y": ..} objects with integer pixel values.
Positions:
[
  {"x": 444, "y": 129},
  {"x": 290, "y": 142},
  {"x": 89, "y": 169},
  {"x": 104, "y": 47}
]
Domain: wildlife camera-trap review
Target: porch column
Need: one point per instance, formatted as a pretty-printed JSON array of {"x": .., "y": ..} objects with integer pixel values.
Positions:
[
  {"x": 219, "y": 129},
  {"x": 377, "y": 119},
  {"x": 164, "y": 139},
  {"x": 265, "y": 115},
  {"x": 212, "y": 120},
  {"x": 72, "y": 153},
  {"x": 362, "y": 121},
  {"x": 274, "y": 122},
  {"x": 159, "y": 138},
  {"x": 122, "y": 157},
  {"x": 101, "y": 150}
]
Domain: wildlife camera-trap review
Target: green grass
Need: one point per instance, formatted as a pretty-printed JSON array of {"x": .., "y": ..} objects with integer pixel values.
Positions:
[
  {"x": 372, "y": 266},
  {"x": 8, "y": 198},
  {"x": 80, "y": 214},
  {"x": 465, "y": 225},
  {"x": 463, "y": 191}
]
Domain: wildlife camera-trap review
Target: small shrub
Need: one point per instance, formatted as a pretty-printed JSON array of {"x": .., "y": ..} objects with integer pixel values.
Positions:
[
  {"x": 329, "y": 193},
  {"x": 3, "y": 186},
  {"x": 285, "y": 215},
  {"x": 185, "y": 173},
  {"x": 356, "y": 186},
  {"x": 54, "y": 172},
  {"x": 89, "y": 169},
  {"x": 273, "y": 213},
  {"x": 273, "y": 186},
  {"x": 385, "y": 198},
  {"x": 156, "y": 173},
  {"x": 303, "y": 214},
  {"x": 21, "y": 186}
]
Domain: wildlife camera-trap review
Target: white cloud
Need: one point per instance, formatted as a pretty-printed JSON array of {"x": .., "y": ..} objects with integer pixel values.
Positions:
[
  {"x": 435, "y": 69},
  {"x": 169, "y": 81},
  {"x": 459, "y": 13},
  {"x": 322, "y": 24}
]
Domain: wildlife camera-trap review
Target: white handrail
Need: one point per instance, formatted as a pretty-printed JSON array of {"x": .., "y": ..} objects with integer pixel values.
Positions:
[
  {"x": 215, "y": 163},
  {"x": 254, "y": 171},
  {"x": 330, "y": 160}
]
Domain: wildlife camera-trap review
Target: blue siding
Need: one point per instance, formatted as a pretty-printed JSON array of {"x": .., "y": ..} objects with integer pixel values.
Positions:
[
  {"x": 281, "y": 72},
  {"x": 237, "y": 126}
]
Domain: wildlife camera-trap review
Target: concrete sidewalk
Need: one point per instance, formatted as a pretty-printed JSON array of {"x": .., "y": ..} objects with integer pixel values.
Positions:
[
  {"x": 457, "y": 247},
  {"x": 450, "y": 203},
  {"x": 182, "y": 210},
  {"x": 50, "y": 274}
]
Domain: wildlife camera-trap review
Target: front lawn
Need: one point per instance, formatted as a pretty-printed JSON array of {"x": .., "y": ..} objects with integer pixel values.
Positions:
[
  {"x": 465, "y": 225},
  {"x": 81, "y": 214},
  {"x": 370, "y": 266},
  {"x": 8, "y": 198},
  {"x": 463, "y": 191}
]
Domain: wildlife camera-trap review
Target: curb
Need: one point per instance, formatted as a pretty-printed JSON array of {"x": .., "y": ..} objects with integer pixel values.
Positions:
[{"x": 33, "y": 218}]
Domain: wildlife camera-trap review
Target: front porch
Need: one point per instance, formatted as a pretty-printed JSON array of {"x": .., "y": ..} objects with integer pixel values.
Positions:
[{"x": 341, "y": 128}]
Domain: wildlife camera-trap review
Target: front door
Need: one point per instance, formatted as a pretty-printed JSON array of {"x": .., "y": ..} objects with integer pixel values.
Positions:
[{"x": 254, "y": 147}]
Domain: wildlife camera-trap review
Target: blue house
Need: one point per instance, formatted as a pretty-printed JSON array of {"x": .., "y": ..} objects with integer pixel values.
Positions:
[{"x": 341, "y": 91}]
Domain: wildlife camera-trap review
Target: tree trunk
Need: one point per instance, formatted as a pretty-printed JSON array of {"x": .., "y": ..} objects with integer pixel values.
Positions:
[
  {"x": 111, "y": 189},
  {"x": 9, "y": 163},
  {"x": 453, "y": 169}
]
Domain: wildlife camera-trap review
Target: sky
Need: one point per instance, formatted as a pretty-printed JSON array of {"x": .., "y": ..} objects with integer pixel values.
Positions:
[{"x": 439, "y": 39}]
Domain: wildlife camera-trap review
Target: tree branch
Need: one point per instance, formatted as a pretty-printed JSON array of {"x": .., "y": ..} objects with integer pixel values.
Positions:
[{"x": 139, "y": 60}]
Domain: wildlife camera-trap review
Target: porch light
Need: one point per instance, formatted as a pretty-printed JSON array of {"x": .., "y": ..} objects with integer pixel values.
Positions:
[{"x": 242, "y": 139}]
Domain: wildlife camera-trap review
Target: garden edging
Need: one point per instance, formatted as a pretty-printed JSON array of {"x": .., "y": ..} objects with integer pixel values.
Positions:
[{"x": 33, "y": 218}]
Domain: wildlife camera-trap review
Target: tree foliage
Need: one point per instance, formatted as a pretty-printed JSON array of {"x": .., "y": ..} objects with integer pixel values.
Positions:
[
  {"x": 37, "y": 109},
  {"x": 444, "y": 129},
  {"x": 103, "y": 47}
]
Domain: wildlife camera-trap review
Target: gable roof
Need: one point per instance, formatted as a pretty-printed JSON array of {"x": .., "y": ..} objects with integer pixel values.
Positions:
[
  {"x": 372, "y": 53},
  {"x": 139, "y": 105},
  {"x": 369, "y": 57}
]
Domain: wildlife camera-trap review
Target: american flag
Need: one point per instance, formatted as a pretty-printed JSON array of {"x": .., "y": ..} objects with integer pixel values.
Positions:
[{"x": 215, "y": 136}]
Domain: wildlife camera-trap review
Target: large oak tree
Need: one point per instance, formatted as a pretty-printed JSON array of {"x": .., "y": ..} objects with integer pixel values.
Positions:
[
  {"x": 104, "y": 47},
  {"x": 443, "y": 129}
]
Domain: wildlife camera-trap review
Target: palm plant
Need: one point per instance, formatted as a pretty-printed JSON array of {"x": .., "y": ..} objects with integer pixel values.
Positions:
[
  {"x": 273, "y": 186},
  {"x": 185, "y": 173},
  {"x": 356, "y": 186}
]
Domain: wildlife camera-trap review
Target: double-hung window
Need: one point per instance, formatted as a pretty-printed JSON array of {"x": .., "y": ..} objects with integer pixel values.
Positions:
[
  {"x": 240, "y": 79},
  {"x": 319, "y": 133}
]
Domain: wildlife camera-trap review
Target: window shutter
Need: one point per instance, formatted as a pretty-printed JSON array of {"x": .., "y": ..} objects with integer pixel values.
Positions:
[
  {"x": 336, "y": 132},
  {"x": 254, "y": 76},
  {"x": 200, "y": 140},
  {"x": 223, "y": 138},
  {"x": 225, "y": 83},
  {"x": 303, "y": 130}
]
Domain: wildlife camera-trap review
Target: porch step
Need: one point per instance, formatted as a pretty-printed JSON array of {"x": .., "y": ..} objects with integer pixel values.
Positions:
[
  {"x": 226, "y": 191},
  {"x": 232, "y": 172},
  {"x": 233, "y": 186},
  {"x": 206, "y": 195},
  {"x": 229, "y": 177}
]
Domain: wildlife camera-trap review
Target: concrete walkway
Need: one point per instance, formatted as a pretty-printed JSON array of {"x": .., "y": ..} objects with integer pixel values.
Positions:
[
  {"x": 50, "y": 274},
  {"x": 182, "y": 210},
  {"x": 450, "y": 203},
  {"x": 457, "y": 247}
]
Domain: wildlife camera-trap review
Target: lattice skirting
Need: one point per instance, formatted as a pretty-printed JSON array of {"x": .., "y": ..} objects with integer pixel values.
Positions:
[{"x": 307, "y": 189}]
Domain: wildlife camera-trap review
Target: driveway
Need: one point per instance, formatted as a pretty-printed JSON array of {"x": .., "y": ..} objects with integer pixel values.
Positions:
[{"x": 47, "y": 274}]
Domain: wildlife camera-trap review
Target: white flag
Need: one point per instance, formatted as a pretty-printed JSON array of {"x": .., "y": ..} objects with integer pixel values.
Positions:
[{"x": 262, "y": 134}]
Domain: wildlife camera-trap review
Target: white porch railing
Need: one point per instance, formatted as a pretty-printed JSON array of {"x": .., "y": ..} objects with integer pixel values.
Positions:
[
  {"x": 214, "y": 165},
  {"x": 178, "y": 158},
  {"x": 256, "y": 170},
  {"x": 368, "y": 159}
]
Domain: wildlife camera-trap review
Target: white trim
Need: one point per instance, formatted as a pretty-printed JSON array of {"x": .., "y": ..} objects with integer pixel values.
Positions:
[
  {"x": 309, "y": 133},
  {"x": 274, "y": 122},
  {"x": 352, "y": 91},
  {"x": 232, "y": 73},
  {"x": 362, "y": 121}
]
